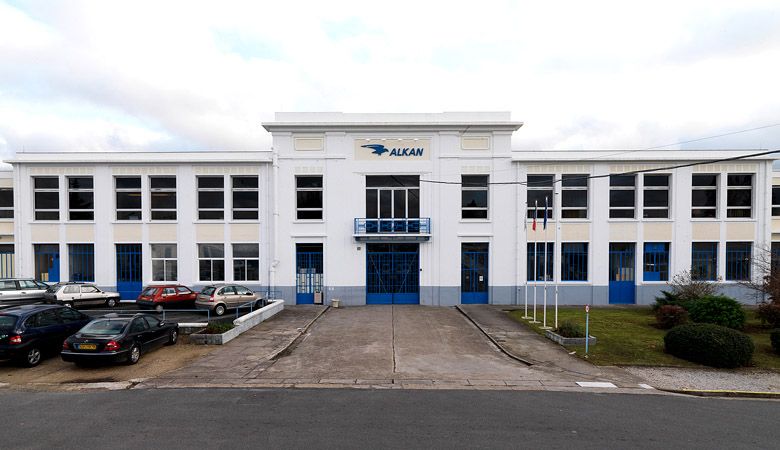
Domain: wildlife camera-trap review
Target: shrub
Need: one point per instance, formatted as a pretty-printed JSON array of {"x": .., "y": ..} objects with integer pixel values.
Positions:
[
  {"x": 217, "y": 328},
  {"x": 669, "y": 316},
  {"x": 711, "y": 345},
  {"x": 684, "y": 286},
  {"x": 570, "y": 329},
  {"x": 718, "y": 310},
  {"x": 774, "y": 337},
  {"x": 670, "y": 298},
  {"x": 769, "y": 313}
]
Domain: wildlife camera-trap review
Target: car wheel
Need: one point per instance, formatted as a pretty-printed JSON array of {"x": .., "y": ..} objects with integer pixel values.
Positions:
[
  {"x": 173, "y": 337},
  {"x": 219, "y": 310},
  {"x": 68, "y": 304},
  {"x": 158, "y": 307},
  {"x": 33, "y": 357},
  {"x": 134, "y": 355},
  {"x": 111, "y": 302}
]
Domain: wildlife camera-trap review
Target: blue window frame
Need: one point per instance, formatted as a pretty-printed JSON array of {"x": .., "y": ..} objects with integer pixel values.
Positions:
[
  {"x": 81, "y": 262},
  {"x": 738, "y": 260},
  {"x": 574, "y": 261},
  {"x": 538, "y": 261},
  {"x": 775, "y": 256},
  {"x": 704, "y": 261},
  {"x": 656, "y": 264}
]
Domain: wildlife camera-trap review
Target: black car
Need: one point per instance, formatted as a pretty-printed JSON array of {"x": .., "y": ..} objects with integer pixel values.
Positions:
[
  {"x": 118, "y": 338},
  {"x": 27, "y": 332}
]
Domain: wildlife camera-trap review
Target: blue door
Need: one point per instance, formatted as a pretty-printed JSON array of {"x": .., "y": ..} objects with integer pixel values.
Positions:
[
  {"x": 474, "y": 273},
  {"x": 129, "y": 275},
  {"x": 308, "y": 272},
  {"x": 47, "y": 262},
  {"x": 622, "y": 270},
  {"x": 392, "y": 274}
]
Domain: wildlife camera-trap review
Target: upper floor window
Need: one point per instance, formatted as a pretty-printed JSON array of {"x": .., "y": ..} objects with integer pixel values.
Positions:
[
  {"x": 622, "y": 196},
  {"x": 81, "y": 198},
  {"x": 739, "y": 198},
  {"x": 128, "y": 198},
  {"x": 539, "y": 194},
  {"x": 474, "y": 196},
  {"x": 308, "y": 197},
  {"x": 704, "y": 195},
  {"x": 211, "y": 198},
  {"x": 656, "y": 197},
  {"x": 163, "y": 197},
  {"x": 6, "y": 203},
  {"x": 574, "y": 196},
  {"x": 46, "y": 193},
  {"x": 245, "y": 198},
  {"x": 775, "y": 201}
]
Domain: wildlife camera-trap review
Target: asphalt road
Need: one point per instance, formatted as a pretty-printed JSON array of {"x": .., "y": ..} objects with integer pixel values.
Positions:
[{"x": 340, "y": 418}]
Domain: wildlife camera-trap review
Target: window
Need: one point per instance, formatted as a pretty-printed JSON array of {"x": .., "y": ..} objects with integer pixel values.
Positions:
[
  {"x": 704, "y": 261},
  {"x": 46, "y": 193},
  {"x": 128, "y": 198},
  {"x": 739, "y": 198},
  {"x": 774, "y": 256},
  {"x": 163, "y": 197},
  {"x": 574, "y": 200},
  {"x": 622, "y": 196},
  {"x": 704, "y": 196},
  {"x": 738, "y": 260},
  {"x": 89, "y": 290},
  {"x": 474, "y": 196},
  {"x": 245, "y": 198},
  {"x": 536, "y": 261},
  {"x": 164, "y": 262},
  {"x": 6, "y": 203},
  {"x": 139, "y": 325},
  {"x": 47, "y": 319},
  {"x": 246, "y": 262},
  {"x": 539, "y": 187},
  {"x": 81, "y": 262},
  {"x": 775, "y": 201},
  {"x": 574, "y": 261},
  {"x": 656, "y": 267},
  {"x": 152, "y": 321},
  {"x": 308, "y": 197},
  {"x": 656, "y": 197},
  {"x": 47, "y": 262},
  {"x": 6, "y": 260},
  {"x": 211, "y": 262},
  {"x": 81, "y": 198},
  {"x": 211, "y": 198},
  {"x": 388, "y": 197},
  {"x": 8, "y": 285},
  {"x": 72, "y": 289}
]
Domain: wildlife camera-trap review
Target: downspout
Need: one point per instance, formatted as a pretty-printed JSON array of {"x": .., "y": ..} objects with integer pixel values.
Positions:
[{"x": 275, "y": 222}]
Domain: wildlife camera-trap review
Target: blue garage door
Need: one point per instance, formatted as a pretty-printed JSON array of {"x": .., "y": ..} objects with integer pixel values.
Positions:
[
  {"x": 393, "y": 274},
  {"x": 308, "y": 272},
  {"x": 622, "y": 270},
  {"x": 474, "y": 273},
  {"x": 129, "y": 276}
]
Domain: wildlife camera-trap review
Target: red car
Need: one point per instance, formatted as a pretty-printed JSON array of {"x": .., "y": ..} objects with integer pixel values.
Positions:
[{"x": 165, "y": 295}]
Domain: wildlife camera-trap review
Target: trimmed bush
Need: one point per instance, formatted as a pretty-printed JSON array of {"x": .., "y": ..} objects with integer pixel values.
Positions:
[
  {"x": 670, "y": 298},
  {"x": 570, "y": 329},
  {"x": 774, "y": 337},
  {"x": 718, "y": 310},
  {"x": 669, "y": 316},
  {"x": 217, "y": 328},
  {"x": 709, "y": 344},
  {"x": 769, "y": 313}
]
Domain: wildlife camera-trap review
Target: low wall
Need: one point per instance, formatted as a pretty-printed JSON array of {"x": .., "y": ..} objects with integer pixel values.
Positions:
[{"x": 242, "y": 324}]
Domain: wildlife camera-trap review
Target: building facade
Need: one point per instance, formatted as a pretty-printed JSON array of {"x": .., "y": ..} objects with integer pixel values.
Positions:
[{"x": 432, "y": 209}]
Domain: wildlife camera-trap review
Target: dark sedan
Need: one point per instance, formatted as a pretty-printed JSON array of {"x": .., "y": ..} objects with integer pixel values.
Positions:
[
  {"x": 115, "y": 338},
  {"x": 27, "y": 332}
]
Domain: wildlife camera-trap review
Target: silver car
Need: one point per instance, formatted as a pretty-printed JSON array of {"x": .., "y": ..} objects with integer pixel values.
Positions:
[
  {"x": 15, "y": 291},
  {"x": 80, "y": 294},
  {"x": 218, "y": 298}
]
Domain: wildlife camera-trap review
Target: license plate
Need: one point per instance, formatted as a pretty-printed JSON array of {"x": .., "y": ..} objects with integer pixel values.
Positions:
[{"x": 87, "y": 347}]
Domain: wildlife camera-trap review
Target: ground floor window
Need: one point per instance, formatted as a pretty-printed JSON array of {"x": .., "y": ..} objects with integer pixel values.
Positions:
[
  {"x": 574, "y": 261},
  {"x": 656, "y": 261},
  {"x": 538, "y": 259},
  {"x": 775, "y": 256},
  {"x": 164, "y": 265},
  {"x": 6, "y": 260},
  {"x": 47, "y": 262},
  {"x": 246, "y": 262},
  {"x": 211, "y": 262},
  {"x": 738, "y": 260},
  {"x": 81, "y": 262},
  {"x": 704, "y": 261}
]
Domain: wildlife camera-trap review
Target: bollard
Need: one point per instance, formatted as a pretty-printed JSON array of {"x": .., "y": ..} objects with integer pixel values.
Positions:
[{"x": 335, "y": 302}]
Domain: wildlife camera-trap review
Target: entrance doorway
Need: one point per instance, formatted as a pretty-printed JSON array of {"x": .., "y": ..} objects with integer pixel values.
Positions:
[
  {"x": 393, "y": 274},
  {"x": 622, "y": 273},
  {"x": 474, "y": 273},
  {"x": 129, "y": 279},
  {"x": 308, "y": 272}
]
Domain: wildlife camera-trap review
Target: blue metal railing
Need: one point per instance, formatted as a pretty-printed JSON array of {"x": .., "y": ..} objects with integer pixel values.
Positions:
[{"x": 420, "y": 225}]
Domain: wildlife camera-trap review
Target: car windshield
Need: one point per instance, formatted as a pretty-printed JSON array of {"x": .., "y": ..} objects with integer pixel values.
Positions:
[
  {"x": 208, "y": 290},
  {"x": 105, "y": 327},
  {"x": 148, "y": 292},
  {"x": 7, "y": 321}
]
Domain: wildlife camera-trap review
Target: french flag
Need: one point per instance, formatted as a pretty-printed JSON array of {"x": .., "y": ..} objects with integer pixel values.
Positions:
[{"x": 536, "y": 207}]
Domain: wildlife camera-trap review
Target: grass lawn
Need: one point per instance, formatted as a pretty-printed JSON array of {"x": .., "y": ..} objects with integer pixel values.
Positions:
[{"x": 627, "y": 336}]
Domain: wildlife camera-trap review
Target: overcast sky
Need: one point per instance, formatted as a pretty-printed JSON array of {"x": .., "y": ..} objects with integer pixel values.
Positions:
[{"x": 164, "y": 75}]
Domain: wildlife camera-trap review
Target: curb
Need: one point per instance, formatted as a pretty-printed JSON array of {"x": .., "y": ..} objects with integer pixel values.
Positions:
[
  {"x": 495, "y": 342},
  {"x": 724, "y": 393},
  {"x": 276, "y": 355}
]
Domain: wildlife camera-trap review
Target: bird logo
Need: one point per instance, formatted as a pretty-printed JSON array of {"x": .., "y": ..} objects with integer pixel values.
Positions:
[{"x": 378, "y": 149}]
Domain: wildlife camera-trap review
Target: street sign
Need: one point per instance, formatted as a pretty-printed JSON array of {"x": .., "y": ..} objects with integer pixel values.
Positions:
[{"x": 587, "y": 308}]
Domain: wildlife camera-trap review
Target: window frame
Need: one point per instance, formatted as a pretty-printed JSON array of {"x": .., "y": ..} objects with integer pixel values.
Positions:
[
  {"x": 164, "y": 190},
  {"x": 166, "y": 261},
  {"x": 536, "y": 187},
  {"x": 474, "y": 187},
  {"x": 735, "y": 272},
  {"x": 666, "y": 188},
  {"x": 532, "y": 251},
  {"x": 204, "y": 210},
  {"x": 573, "y": 188},
  {"x": 81, "y": 259},
  {"x": 580, "y": 256},
  {"x": 320, "y": 189},
  {"x": 701, "y": 187},
  {"x": 737, "y": 188},
  {"x": 656, "y": 258},
  {"x": 77, "y": 190},
  {"x": 37, "y": 190},
  {"x": 118, "y": 191},
  {"x": 245, "y": 260},
  {"x": 7, "y": 212},
  {"x": 711, "y": 253},
  {"x": 620, "y": 188},
  {"x": 234, "y": 190},
  {"x": 776, "y": 201},
  {"x": 212, "y": 260}
]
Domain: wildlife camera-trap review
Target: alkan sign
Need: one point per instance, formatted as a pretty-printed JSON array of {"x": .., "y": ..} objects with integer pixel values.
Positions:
[{"x": 392, "y": 149}]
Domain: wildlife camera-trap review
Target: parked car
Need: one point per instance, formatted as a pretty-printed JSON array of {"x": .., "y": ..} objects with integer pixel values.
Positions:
[
  {"x": 163, "y": 296},
  {"x": 218, "y": 298},
  {"x": 28, "y": 331},
  {"x": 115, "y": 338},
  {"x": 16, "y": 291},
  {"x": 80, "y": 294}
]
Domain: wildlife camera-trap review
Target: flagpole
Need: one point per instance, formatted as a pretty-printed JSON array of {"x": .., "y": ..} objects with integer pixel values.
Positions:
[
  {"x": 536, "y": 258},
  {"x": 558, "y": 251},
  {"x": 525, "y": 249},
  {"x": 544, "y": 311}
]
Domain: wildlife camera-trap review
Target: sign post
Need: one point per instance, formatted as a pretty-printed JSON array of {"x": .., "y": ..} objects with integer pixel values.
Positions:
[{"x": 587, "y": 331}]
